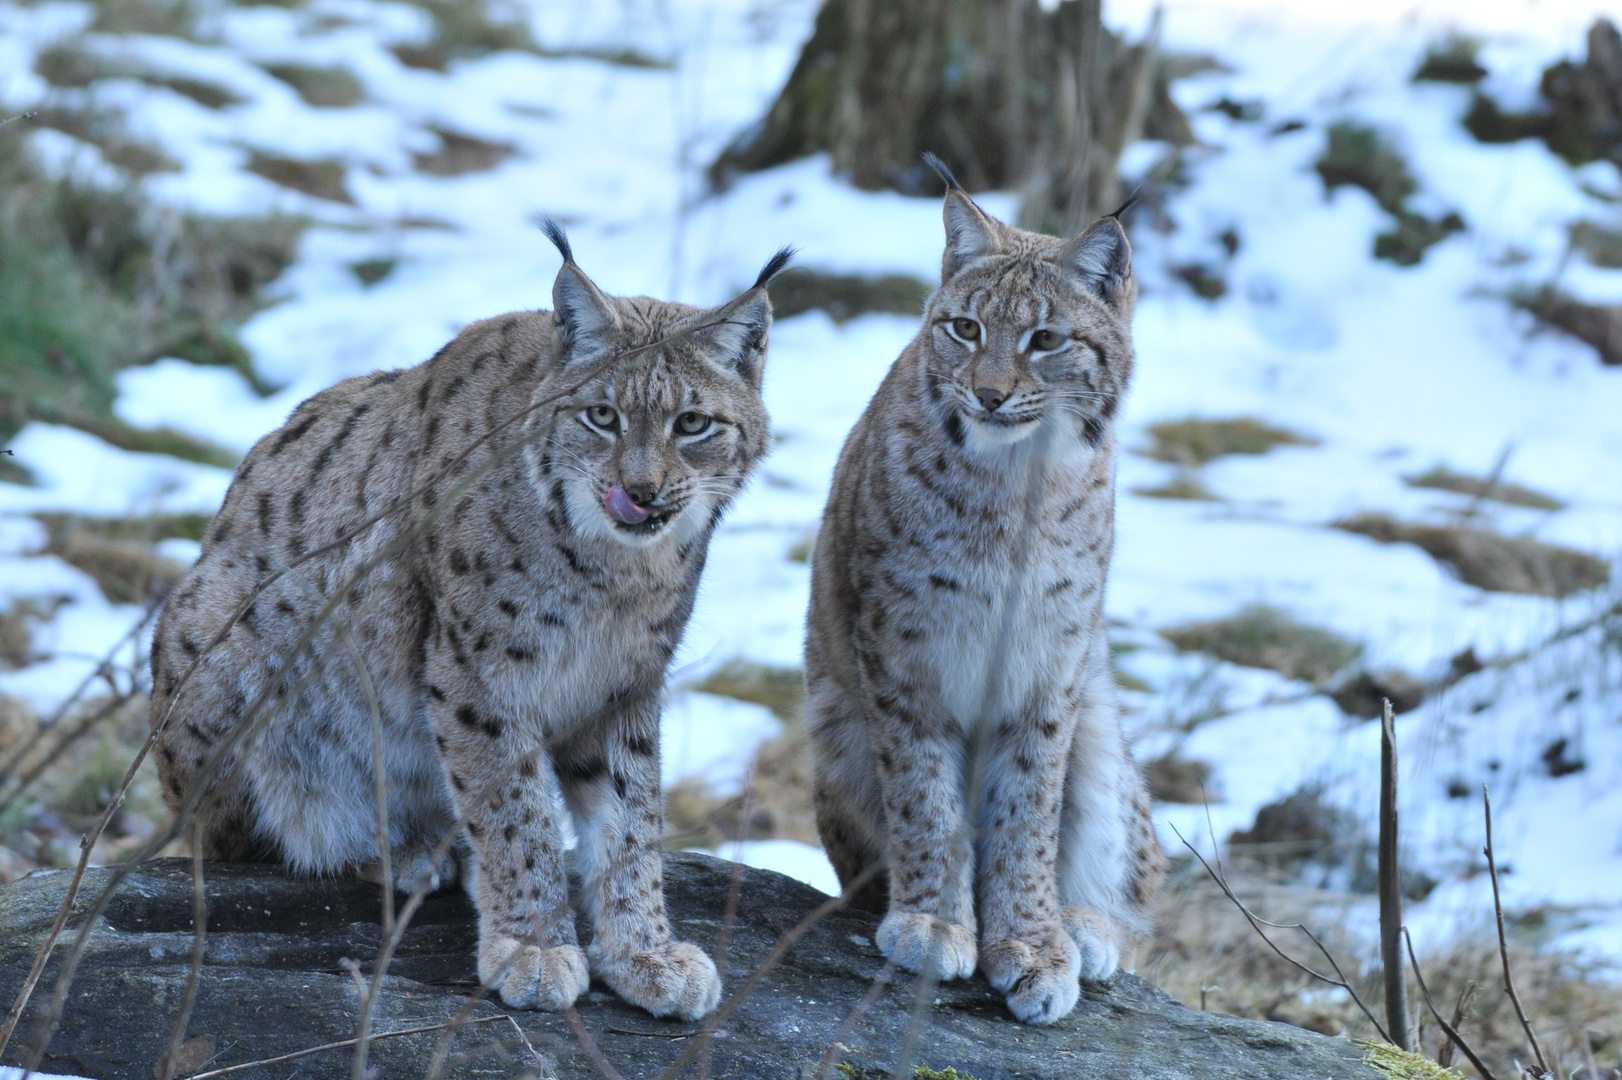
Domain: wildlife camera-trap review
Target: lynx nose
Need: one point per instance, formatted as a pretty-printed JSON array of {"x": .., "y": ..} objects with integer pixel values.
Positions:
[
  {"x": 990, "y": 397},
  {"x": 642, "y": 493}
]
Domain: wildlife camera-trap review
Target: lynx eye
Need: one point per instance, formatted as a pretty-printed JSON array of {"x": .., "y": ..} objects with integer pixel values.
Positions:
[
  {"x": 603, "y": 416},
  {"x": 967, "y": 329},
  {"x": 692, "y": 423},
  {"x": 1043, "y": 340}
]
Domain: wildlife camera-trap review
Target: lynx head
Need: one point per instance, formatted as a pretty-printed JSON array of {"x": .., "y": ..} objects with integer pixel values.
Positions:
[
  {"x": 1027, "y": 327},
  {"x": 668, "y": 422}
]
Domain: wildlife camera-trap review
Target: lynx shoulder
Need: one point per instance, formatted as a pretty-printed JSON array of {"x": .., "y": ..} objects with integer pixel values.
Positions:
[
  {"x": 961, "y": 704},
  {"x": 476, "y": 571}
]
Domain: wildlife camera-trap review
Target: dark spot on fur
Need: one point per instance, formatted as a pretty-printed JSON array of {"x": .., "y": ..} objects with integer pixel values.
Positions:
[
  {"x": 954, "y": 428},
  {"x": 470, "y": 718},
  {"x": 293, "y": 434}
]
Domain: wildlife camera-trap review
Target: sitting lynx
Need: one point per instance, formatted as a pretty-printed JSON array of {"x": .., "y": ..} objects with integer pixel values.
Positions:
[
  {"x": 514, "y": 654},
  {"x": 957, "y": 596}
]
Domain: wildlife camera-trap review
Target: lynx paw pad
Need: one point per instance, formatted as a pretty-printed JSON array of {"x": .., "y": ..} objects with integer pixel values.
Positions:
[
  {"x": 912, "y": 940},
  {"x": 674, "y": 979},
  {"x": 530, "y": 977}
]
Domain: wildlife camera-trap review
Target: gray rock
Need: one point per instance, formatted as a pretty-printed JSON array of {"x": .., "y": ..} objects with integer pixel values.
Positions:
[{"x": 282, "y": 951}]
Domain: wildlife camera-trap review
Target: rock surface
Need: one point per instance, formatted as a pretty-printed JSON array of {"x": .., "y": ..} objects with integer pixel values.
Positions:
[{"x": 278, "y": 977}]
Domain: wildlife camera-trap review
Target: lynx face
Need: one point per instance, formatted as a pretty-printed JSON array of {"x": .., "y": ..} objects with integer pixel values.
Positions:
[
  {"x": 1028, "y": 326},
  {"x": 658, "y": 449}
]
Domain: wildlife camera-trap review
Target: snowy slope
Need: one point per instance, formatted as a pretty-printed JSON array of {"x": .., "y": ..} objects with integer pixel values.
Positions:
[{"x": 1393, "y": 370}]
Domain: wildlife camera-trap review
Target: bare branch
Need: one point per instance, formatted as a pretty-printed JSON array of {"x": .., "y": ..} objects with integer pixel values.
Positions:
[
  {"x": 589, "y": 1044},
  {"x": 728, "y": 922},
  {"x": 836, "y": 1047},
  {"x": 341, "y": 1045},
  {"x": 1452, "y": 1032},
  {"x": 1503, "y": 940},
  {"x": 1256, "y": 924}
]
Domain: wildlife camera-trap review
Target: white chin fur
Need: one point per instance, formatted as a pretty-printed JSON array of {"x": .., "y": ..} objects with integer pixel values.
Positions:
[{"x": 984, "y": 435}]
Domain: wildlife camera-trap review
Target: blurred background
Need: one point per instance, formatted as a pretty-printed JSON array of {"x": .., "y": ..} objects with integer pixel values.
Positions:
[{"x": 1373, "y": 450}]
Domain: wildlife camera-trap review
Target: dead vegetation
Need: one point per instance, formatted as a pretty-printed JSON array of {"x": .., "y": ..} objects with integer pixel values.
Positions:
[
  {"x": 1362, "y": 694},
  {"x": 1597, "y": 325},
  {"x": 1195, "y": 441},
  {"x": 1580, "y": 115},
  {"x": 1490, "y": 561},
  {"x": 321, "y": 87},
  {"x": 1451, "y": 60},
  {"x": 1266, "y": 637},
  {"x": 1186, "y": 484},
  {"x": 324, "y": 179},
  {"x": 845, "y": 296},
  {"x": 119, "y": 553},
  {"x": 1204, "y": 954},
  {"x": 777, "y": 804},
  {"x": 73, "y": 66},
  {"x": 459, "y": 154},
  {"x": 1442, "y": 478}
]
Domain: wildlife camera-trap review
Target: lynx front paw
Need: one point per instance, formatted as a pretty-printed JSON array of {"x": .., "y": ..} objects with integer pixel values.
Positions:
[
  {"x": 672, "y": 979},
  {"x": 530, "y": 977},
  {"x": 1098, "y": 940},
  {"x": 913, "y": 940},
  {"x": 1038, "y": 976}
]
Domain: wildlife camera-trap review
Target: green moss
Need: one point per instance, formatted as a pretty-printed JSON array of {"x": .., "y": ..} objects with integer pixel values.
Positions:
[
  {"x": 1265, "y": 637},
  {"x": 1207, "y": 282},
  {"x": 1402, "y": 1065},
  {"x": 1359, "y": 156},
  {"x": 1196, "y": 441},
  {"x": 1413, "y": 235},
  {"x": 919, "y": 1072}
]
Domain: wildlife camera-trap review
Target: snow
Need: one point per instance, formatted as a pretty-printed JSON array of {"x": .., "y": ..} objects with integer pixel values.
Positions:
[
  {"x": 7, "y": 1072},
  {"x": 1392, "y": 370}
]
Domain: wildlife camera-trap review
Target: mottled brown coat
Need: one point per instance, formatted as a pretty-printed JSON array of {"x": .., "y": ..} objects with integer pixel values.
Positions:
[{"x": 958, "y": 600}]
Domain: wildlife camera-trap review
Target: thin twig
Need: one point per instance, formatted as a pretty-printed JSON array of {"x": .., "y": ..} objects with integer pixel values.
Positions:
[
  {"x": 780, "y": 950},
  {"x": 1256, "y": 924},
  {"x": 837, "y": 1046},
  {"x": 1452, "y": 1032},
  {"x": 728, "y": 922},
  {"x": 342, "y": 1044},
  {"x": 1390, "y": 881},
  {"x": 1461, "y": 1009},
  {"x": 194, "y": 971},
  {"x": 1503, "y": 940}
]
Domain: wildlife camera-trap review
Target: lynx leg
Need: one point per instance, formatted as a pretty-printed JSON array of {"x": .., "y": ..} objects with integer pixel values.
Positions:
[{"x": 612, "y": 784}]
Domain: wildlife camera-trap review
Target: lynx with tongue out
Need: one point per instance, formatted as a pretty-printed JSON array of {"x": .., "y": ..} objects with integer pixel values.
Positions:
[{"x": 579, "y": 460}]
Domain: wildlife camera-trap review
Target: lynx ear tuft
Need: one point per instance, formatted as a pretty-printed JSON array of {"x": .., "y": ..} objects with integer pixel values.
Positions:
[
  {"x": 739, "y": 336},
  {"x": 774, "y": 266},
  {"x": 554, "y": 232},
  {"x": 942, "y": 171},
  {"x": 970, "y": 233},
  {"x": 1102, "y": 257},
  {"x": 582, "y": 315}
]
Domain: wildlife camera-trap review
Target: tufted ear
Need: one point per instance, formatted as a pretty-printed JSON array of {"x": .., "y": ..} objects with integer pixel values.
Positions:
[
  {"x": 1102, "y": 258},
  {"x": 739, "y": 338},
  {"x": 970, "y": 233},
  {"x": 583, "y": 316}
]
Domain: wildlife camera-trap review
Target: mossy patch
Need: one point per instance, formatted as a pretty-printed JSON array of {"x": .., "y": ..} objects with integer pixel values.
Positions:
[
  {"x": 919, "y": 1072},
  {"x": 1195, "y": 441},
  {"x": 1441, "y": 478},
  {"x": 1451, "y": 60},
  {"x": 1388, "y": 1060},
  {"x": 1266, "y": 637},
  {"x": 321, "y": 87},
  {"x": 1360, "y": 156},
  {"x": 845, "y": 296},
  {"x": 371, "y": 271},
  {"x": 1206, "y": 281},
  {"x": 780, "y": 689},
  {"x": 1490, "y": 561}
]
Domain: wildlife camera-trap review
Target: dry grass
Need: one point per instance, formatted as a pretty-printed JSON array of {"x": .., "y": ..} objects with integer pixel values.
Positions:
[
  {"x": 1362, "y": 694},
  {"x": 118, "y": 552},
  {"x": 321, "y": 87},
  {"x": 1195, "y": 441},
  {"x": 1489, "y": 561},
  {"x": 1176, "y": 779},
  {"x": 1204, "y": 954},
  {"x": 1185, "y": 485},
  {"x": 460, "y": 154},
  {"x": 69, "y": 65},
  {"x": 324, "y": 179},
  {"x": 1602, "y": 246},
  {"x": 1442, "y": 478},
  {"x": 1265, "y": 637},
  {"x": 1451, "y": 60},
  {"x": 1597, "y": 325}
]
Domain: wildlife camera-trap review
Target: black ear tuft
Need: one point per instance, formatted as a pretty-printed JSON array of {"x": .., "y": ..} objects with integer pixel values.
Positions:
[
  {"x": 554, "y": 232},
  {"x": 774, "y": 266},
  {"x": 1131, "y": 201},
  {"x": 940, "y": 168}
]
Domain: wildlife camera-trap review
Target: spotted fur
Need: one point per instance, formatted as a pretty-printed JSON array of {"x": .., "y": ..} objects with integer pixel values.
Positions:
[
  {"x": 516, "y": 650},
  {"x": 958, "y": 597}
]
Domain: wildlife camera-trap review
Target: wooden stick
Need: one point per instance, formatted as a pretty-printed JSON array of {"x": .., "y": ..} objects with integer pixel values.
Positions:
[
  {"x": 1452, "y": 1032},
  {"x": 1503, "y": 940},
  {"x": 1396, "y": 982},
  {"x": 343, "y": 1044}
]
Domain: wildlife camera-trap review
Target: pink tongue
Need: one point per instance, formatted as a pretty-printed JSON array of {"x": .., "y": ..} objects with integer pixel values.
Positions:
[{"x": 622, "y": 509}]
